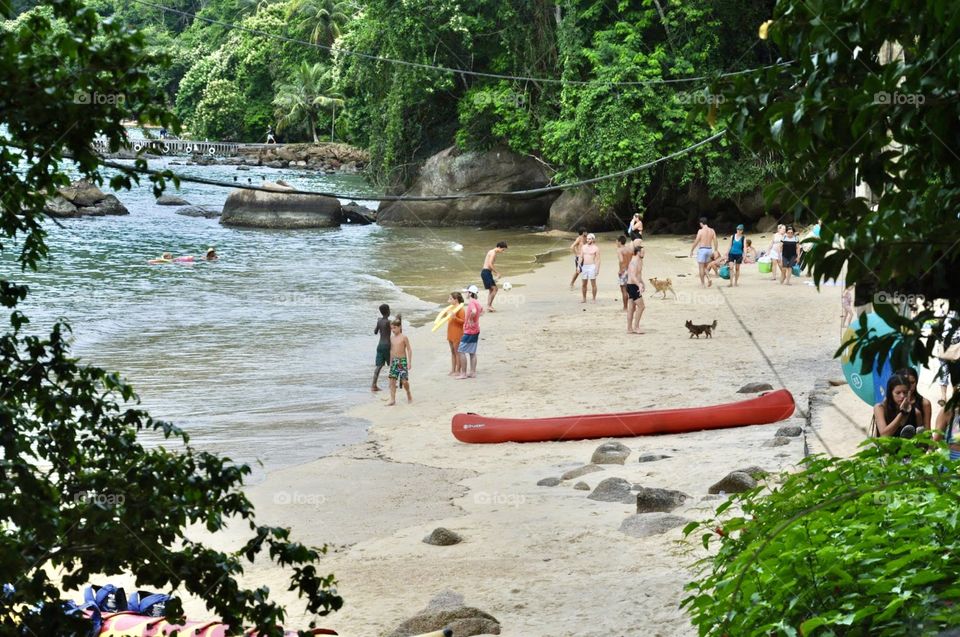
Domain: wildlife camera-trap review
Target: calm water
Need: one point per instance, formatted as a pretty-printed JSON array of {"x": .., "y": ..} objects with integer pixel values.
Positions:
[{"x": 260, "y": 354}]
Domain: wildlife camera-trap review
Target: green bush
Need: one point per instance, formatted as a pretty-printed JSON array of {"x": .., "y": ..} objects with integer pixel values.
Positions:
[{"x": 867, "y": 545}]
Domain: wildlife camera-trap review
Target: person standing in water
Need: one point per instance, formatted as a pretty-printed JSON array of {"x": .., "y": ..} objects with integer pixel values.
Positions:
[
  {"x": 401, "y": 359},
  {"x": 489, "y": 271},
  {"x": 624, "y": 255},
  {"x": 576, "y": 247},
  {"x": 704, "y": 245},
  {"x": 383, "y": 347},
  {"x": 590, "y": 265},
  {"x": 735, "y": 255}
]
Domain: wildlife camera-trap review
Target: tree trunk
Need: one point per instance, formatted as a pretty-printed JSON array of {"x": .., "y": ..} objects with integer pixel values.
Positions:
[
  {"x": 313, "y": 128},
  {"x": 333, "y": 121}
]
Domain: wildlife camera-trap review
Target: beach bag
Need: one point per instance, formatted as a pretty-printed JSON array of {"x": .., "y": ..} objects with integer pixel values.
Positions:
[
  {"x": 147, "y": 603},
  {"x": 764, "y": 267},
  {"x": 724, "y": 272},
  {"x": 796, "y": 269}
]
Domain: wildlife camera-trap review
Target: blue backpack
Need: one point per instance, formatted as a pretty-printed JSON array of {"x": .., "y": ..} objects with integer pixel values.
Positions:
[
  {"x": 109, "y": 598},
  {"x": 147, "y": 603}
]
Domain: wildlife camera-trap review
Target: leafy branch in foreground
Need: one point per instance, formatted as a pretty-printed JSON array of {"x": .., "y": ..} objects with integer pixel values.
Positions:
[
  {"x": 867, "y": 545},
  {"x": 80, "y": 496}
]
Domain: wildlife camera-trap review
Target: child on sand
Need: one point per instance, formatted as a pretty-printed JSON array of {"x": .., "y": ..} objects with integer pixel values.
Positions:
[
  {"x": 383, "y": 347},
  {"x": 750, "y": 253},
  {"x": 455, "y": 333},
  {"x": 401, "y": 356}
]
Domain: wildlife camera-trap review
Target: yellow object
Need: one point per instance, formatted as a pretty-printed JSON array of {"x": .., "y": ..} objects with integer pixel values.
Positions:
[
  {"x": 764, "y": 28},
  {"x": 445, "y": 315}
]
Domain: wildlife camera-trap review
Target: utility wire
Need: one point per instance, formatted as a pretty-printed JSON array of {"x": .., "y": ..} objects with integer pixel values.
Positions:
[
  {"x": 448, "y": 69},
  {"x": 532, "y": 192}
]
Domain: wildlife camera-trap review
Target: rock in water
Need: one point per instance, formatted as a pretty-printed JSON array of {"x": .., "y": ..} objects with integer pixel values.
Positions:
[
  {"x": 734, "y": 482},
  {"x": 613, "y": 490},
  {"x": 647, "y": 524},
  {"x": 755, "y": 388},
  {"x": 612, "y": 452},
  {"x": 279, "y": 209},
  {"x": 659, "y": 500},
  {"x": 207, "y": 212},
  {"x": 790, "y": 431},
  {"x": 548, "y": 482},
  {"x": 60, "y": 207},
  {"x": 83, "y": 199},
  {"x": 580, "y": 471},
  {"x": 463, "y": 621},
  {"x": 442, "y": 537},
  {"x": 171, "y": 200},
  {"x": 82, "y": 193},
  {"x": 452, "y": 171}
]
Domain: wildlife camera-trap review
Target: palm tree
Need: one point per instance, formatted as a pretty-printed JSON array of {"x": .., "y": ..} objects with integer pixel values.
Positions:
[
  {"x": 322, "y": 17},
  {"x": 309, "y": 92}
]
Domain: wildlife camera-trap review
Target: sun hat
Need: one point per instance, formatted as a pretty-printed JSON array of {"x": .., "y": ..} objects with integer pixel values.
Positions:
[
  {"x": 472, "y": 289},
  {"x": 591, "y": 236}
]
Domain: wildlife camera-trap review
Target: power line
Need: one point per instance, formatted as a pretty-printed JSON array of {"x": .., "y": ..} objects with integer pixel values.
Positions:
[
  {"x": 532, "y": 192},
  {"x": 448, "y": 69}
]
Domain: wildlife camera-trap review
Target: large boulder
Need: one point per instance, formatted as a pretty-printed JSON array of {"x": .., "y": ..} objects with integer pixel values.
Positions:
[
  {"x": 83, "y": 199},
  {"x": 452, "y": 172},
  {"x": 578, "y": 208},
  {"x": 279, "y": 208},
  {"x": 82, "y": 193}
]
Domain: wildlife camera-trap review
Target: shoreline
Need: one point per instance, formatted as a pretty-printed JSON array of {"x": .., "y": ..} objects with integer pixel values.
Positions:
[{"x": 524, "y": 544}]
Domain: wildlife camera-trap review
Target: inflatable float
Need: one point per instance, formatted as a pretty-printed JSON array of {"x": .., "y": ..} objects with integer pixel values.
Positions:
[
  {"x": 767, "y": 408},
  {"x": 445, "y": 315}
]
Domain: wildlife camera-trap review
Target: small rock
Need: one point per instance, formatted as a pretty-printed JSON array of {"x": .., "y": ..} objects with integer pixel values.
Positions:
[
  {"x": 171, "y": 200},
  {"x": 779, "y": 441},
  {"x": 442, "y": 537},
  {"x": 755, "y": 472},
  {"x": 549, "y": 482},
  {"x": 581, "y": 486},
  {"x": 445, "y": 600},
  {"x": 734, "y": 482},
  {"x": 652, "y": 457},
  {"x": 790, "y": 431},
  {"x": 612, "y": 452},
  {"x": 207, "y": 212},
  {"x": 753, "y": 388},
  {"x": 613, "y": 490},
  {"x": 580, "y": 471},
  {"x": 837, "y": 382},
  {"x": 659, "y": 500},
  {"x": 647, "y": 524}
]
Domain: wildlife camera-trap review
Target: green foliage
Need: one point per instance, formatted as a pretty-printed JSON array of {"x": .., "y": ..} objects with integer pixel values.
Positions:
[
  {"x": 867, "y": 545},
  {"x": 321, "y": 19},
  {"x": 303, "y": 100},
  {"x": 80, "y": 497},
  {"x": 220, "y": 111}
]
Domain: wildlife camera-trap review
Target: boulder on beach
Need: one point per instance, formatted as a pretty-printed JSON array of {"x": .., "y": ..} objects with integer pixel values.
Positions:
[
  {"x": 452, "y": 171},
  {"x": 754, "y": 388},
  {"x": 279, "y": 208},
  {"x": 659, "y": 500},
  {"x": 581, "y": 486},
  {"x": 171, "y": 200},
  {"x": 442, "y": 537},
  {"x": 580, "y": 471},
  {"x": 613, "y": 490},
  {"x": 790, "y": 431},
  {"x": 447, "y": 610},
  {"x": 578, "y": 208},
  {"x": 734, "y": 482},
  {"x": 652, "y": 457},
  {"x": 611, "y": 452},
  {"x": 778, "y": 441},
  {"x": 647, "y": 524},
  {"x": 83, "y": 199},
  {"x": 548, "y": 482}
]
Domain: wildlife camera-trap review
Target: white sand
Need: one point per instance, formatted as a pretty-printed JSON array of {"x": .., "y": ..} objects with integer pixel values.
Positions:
[{"x": 548, "y": 561}]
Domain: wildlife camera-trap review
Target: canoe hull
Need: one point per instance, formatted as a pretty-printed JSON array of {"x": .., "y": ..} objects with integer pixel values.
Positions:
[{"x": 767, "y": 408}]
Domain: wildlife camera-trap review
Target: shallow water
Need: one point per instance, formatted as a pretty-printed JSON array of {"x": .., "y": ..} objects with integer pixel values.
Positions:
[{"x": 259, "y": 354}]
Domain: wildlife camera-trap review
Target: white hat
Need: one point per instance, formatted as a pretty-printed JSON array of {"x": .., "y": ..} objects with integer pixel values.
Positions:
[
  {"x": 591, "y": 236},
  {"x": 472, "y": 289}
]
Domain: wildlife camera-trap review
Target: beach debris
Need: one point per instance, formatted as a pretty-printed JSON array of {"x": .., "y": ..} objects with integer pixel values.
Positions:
[
  {"x": 581, "y": 486},
  {"x": 647, "y": 524},
  {"x": 447, "y": 610},
  {"x": 778, "y": 441},
  {"x": 611, "y": 452},
  {"x": 790, "y": 431},
  {"x": 652, "y": 457},
  {"x": 580, "y": 471},
  {"x": 171, "y": 200},
  {"x": 755, "y": 388},
  {"x": 650, "y": 500},
  {"x": 837, "y": 382},
  {"x": 613, "y": 490},
  {"x": 734, "y": 482},
  {"x": 548, "y": 482},
  {"x": 442, "y": 537}
]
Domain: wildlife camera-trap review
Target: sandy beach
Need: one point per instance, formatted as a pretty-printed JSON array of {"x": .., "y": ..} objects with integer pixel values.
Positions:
[{"x": 548, "y": 560}]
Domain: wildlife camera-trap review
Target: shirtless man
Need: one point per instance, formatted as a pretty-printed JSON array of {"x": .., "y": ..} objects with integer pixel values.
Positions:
[
  {"x": 705, "y": 245},
  {"x": 589, "y": 266},
  {"x": 575, "y": 248},
  {"x": 624, "y": 254},
  {"x": 489, "y": 271},
  {"x": 635, "y": 288}
]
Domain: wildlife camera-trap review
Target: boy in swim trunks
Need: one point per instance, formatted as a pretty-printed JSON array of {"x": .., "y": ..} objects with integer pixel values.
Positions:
[
  {"x": 705, "y": 245},
  {"x": 383, "y": 347},
  {"x": 489, "y": 271},
  {"x": 401, "y": 358}
]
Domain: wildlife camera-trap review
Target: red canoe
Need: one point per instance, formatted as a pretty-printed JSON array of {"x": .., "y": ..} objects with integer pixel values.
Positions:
[{"x": 765, "y": 409}]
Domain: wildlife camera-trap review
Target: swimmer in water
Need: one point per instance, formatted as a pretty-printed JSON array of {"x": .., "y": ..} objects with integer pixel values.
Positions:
[{"x": 211, "y": 254}]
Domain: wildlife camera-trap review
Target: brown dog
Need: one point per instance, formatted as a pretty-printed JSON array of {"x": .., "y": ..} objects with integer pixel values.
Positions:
[
  {"x": 697, "y": 330},
  {"x": 663, "y": 286}
]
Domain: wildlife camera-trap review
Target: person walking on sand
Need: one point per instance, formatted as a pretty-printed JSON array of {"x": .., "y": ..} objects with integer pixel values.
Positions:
[
  {"x": 383, "y": 347},
  {"x": 635, "y": 288},
  {"x": 489, "y": 271},
  {"x": 788, "y": 255},
  {"x": 401, "y": 360},
  {"x": 774, "y": 250},
  {"x": 704, "y": 245},
  {"x": 735, "y": 255},
  {"x": 624, "y": 255},
  {"x": 471, "y": 334},
  {"x": 590, "y": 264},
  {"x": 455, "y": 332},
  {"x": 575, "y": 248}
]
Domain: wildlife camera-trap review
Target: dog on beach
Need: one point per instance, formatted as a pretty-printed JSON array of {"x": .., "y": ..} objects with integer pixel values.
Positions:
[
  {"x": 663, "y": 286},
  {"x": 697, "y": 330}
]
